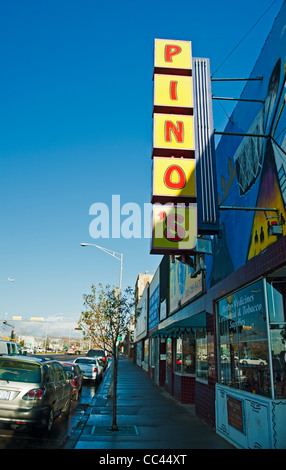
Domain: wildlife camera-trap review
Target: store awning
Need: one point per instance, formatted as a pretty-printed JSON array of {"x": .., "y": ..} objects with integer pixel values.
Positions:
[
  {"x": 162, "y": 333},
  {"x": 182, "y": 326},
  {"x": 188, "y": 324}
]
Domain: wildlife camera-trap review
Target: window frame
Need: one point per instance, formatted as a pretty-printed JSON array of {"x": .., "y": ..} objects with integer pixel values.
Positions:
[
  {"x": 237, "y": 337},
  {"x": 192, "y": 343}
]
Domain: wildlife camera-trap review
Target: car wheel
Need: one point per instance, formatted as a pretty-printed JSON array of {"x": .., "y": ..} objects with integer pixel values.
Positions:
[
  {"x": 75, "y": 396},
  {"x": 50, "y": 421},
  {"x": 66, "y": 410}
]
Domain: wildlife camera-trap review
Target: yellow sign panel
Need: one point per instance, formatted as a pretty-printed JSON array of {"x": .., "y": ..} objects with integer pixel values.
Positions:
[
  {"x": 173, "y": 55},
  {"x": 173, "y": 135},
  {"x": 173, "y": 92},
  {"x": 174, "y": 228},
  {"x": 173, "y": 177}
]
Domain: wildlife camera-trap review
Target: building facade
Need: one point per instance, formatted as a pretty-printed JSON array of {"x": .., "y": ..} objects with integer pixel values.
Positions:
[{"x": 218, "y": 340}]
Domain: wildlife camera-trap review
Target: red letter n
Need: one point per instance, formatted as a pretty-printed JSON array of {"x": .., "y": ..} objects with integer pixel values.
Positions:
[{"x": 178, "y": 131}]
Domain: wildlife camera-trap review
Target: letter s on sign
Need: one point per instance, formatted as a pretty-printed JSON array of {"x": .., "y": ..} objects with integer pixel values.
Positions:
[{"x": 172, "y": 222}]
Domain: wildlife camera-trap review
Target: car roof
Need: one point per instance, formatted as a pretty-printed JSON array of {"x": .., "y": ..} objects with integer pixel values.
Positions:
[
  {"x": 90, "y": 358},
  {"x": 66, "y": 363},
  {"x": 20, "y": 358},
  {"x": 42, "y": 358}
]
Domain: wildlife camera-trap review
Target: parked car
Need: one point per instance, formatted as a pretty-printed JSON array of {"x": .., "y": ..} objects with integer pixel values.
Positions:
[
  {"x": 90, "y": 367},
  {"x": 26, "y": 350},
  {"x": 253, "y": 361},
  {"x": 73, "y": 350},
  {"x": 100, "y": 354},
  {"x": 33, "y": 392},
  {"x": 77, "y": 378}
]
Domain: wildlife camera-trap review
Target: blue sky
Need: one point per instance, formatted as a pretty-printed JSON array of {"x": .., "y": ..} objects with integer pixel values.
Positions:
[{"x": 76, "y": 128}]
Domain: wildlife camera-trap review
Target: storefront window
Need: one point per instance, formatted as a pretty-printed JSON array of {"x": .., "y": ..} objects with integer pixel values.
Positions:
[
  {"x": 254, "y": 367},
  {"x": 179, "y": 355},
  {"x": 201, "y": 354},
  {"x": 278, "y": 345},
  {"x": 146, "y": 350},
  {"x": 276, "y": 295},
  {"x": 185, "y": 354},
  {"x": 169, "y": 357},
  {"x": 152, "y": 352},
  {"x": 189, "y": 353},
  {"x": 139, "y": 352},
  {"x": 242, "y": 340},
  {"x": 229, "y": 364}
]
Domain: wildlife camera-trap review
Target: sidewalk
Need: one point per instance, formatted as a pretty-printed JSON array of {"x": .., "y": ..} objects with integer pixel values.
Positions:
[{"x": 147, "y": 418}]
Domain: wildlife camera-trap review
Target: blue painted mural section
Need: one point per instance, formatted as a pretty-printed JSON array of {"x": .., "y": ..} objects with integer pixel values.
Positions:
[{"x": 251, "y": 171}]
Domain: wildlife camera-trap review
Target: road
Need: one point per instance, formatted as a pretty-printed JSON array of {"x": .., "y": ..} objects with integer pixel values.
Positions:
[{"x": 21, "y": 439}]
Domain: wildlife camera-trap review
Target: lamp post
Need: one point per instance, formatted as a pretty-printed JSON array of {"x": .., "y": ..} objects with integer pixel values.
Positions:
[{"x": 119, "y": 257}]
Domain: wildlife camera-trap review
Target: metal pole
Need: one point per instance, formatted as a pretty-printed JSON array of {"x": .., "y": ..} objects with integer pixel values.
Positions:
[
  {"x": 224, "y": 208},
  {"x": 242, "y": 134},
  {"x": 236, "y": 79},
  {"x": 269, "y": 339},
  {"x": 237, "y": 99},
  {"x": 121, "y": 268}
]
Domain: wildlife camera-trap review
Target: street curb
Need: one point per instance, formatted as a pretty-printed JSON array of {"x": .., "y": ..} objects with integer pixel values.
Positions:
[{"x": 72, "y": 438}]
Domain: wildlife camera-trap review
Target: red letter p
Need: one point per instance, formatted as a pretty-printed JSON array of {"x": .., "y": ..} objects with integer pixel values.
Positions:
[{"x": 170, "y": 51}]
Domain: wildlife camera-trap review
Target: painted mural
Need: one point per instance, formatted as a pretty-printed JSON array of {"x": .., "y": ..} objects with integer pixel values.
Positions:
[{"x": 251, "y": 170}]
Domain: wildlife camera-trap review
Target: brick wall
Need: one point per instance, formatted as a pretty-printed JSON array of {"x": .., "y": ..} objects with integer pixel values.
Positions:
[
  {"x": 169, "y": 385},
  {"x": 184, "y": 388},
  {"x": 205, "y": 402}
]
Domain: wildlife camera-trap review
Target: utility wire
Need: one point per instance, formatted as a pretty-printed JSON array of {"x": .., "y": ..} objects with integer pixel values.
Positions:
[{"x": 238, "y": 44}]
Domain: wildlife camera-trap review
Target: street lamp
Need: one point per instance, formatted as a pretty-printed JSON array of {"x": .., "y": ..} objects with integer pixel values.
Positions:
[{"x": 118, "y": 256}]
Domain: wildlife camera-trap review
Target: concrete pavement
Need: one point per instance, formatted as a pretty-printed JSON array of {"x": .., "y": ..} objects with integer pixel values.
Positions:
[{"x": 147, "y": 418}]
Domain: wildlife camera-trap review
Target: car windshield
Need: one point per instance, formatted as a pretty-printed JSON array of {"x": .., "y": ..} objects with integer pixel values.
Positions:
[
  {"x": 85, "y": 361},
  {"x": 69, "y": 367},
  {"x": 16, "y": 371},
  {"x": 94, "y": 353}
]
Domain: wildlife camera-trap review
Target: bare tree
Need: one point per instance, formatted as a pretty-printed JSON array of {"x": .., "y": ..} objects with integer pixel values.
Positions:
[{"x": 107, "y": 317}]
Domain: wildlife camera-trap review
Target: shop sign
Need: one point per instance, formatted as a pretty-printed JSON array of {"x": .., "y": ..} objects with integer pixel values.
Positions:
[
  {"x": 174, "y": 227},
  {"x": 154, "y": 300},
  {"x": 173, "y": 177},
  {"x": 235, "y": 413},
  {"x": 183, "y": 288},
  {"x": 173, "y": 93},
  {"x": 173, "y": 56},
  {"x": 173, "y": 135}
]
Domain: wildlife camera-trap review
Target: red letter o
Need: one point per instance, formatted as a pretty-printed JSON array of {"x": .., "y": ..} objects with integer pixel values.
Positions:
[{"x": 182, "y": 177}]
